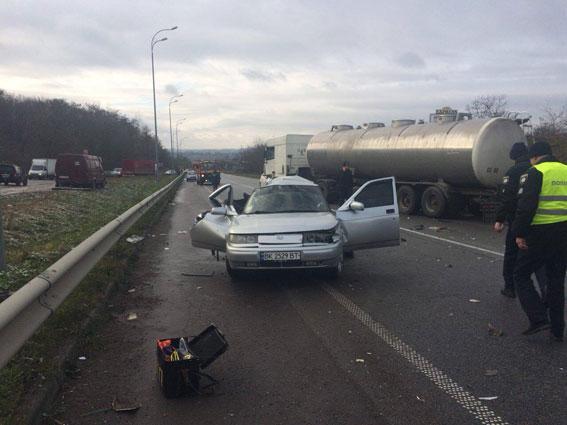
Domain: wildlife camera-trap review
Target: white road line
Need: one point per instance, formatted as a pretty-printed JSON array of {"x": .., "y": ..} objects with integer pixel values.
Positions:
[
  {"x": 488, "y": 251},
  {"x": 435, "y": 375}
]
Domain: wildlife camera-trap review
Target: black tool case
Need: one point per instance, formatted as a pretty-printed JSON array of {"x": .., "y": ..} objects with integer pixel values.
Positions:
[{"x": 183, "y": 376}]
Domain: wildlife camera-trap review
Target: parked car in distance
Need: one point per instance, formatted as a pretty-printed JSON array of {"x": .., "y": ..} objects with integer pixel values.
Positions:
[
  {"x": 11, "y": 173},
  {"x": 116, "y": 172},
  {"x": 42, "y": 168},
  {"x": 288, "y": 225},
  {"x": 191, "y": 176},
  {"x": 79, "y": 170}
]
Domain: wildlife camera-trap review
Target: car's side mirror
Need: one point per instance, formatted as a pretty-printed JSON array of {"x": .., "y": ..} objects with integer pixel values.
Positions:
[
  {"x": 219, "y": 211},
  {"x": 356, "y": 206}
]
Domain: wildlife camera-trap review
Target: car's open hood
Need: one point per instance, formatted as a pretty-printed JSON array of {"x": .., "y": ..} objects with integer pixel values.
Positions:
[{"x": 283, "y": 223}]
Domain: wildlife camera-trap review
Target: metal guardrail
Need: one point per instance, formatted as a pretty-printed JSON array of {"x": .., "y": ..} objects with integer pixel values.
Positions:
[{"x": 26, "y": 309}]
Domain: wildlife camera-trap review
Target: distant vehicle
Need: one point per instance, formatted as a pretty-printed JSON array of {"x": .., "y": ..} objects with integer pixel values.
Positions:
[
  {"x": 43, "y": 168},
  {"x": 288, "y": 225},
  {"x": 138, "y": 167},
  {"x": 286, "y": 155},
  {"x": 116, "y": 172},
  {"x": 191, "y": 176},
  {"x": 204, "y": 171},
  {"x": 11, "y": 173},
  {"x": 170, "y": 172},
  {"x": 79, "y": 170}
]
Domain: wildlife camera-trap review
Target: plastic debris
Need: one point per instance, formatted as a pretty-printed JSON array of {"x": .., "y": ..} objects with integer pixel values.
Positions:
[
  {"x": 82, "y": 358},
  {"x": 166, "y": 248},
  {"x": 182, "y": 232},
  {"x": 132, "y": 316},
  {"x": 419, "y": 227},
  {"x": 488, "y": 398},
  {"x": 491, "y": 372},
  {"x": 131, "y": 290},
  {"x": 134, "y": 239},
  {"x": 437, "y": 228},
  {"x": 448, "y": 266},
  {"x": 360, "y": 360},
  {"x": 473, "y": 300},
  {"x": 494, "y": 331},
  {"x": 420, "y": 399},
  {"x": 124, "y": 406},
  {"x": 211, "y": 274}
]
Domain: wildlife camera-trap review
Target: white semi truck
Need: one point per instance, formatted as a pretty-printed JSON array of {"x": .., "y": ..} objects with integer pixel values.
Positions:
[
  {"x": 287, "y": 155},
  {"x": 42, "y": 168}
]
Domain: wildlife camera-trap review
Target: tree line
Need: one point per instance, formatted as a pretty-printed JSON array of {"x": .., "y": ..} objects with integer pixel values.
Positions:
[{"x": 43, "y": 128}]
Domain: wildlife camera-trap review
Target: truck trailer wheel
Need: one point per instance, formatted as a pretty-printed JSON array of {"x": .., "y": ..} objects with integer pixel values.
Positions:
[
  {"x": 407, "y": 200},
  {"x": 433, "y": 202}
]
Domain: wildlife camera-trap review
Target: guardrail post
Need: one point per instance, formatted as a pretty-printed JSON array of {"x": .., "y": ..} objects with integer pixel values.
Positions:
[{"x": 2, "y": 253}]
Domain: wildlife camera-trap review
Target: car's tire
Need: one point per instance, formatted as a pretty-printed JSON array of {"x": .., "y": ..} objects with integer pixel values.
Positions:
[
  {"x": 407, "y": 200},
  {"x": 25, "y": 182},
  {"x": 433, "y": 202},
  {"x": 235, "y": 275},
  {"x": 334, "y": 272}
]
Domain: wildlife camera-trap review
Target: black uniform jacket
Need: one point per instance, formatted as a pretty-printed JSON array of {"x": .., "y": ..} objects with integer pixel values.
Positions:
[
  {"x": 509, "y": 190},
  {"x": 345, "y": 178},
  {"x": 528, "y": 200}
]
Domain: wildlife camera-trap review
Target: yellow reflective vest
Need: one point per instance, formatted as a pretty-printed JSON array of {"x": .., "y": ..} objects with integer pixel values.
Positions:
[{"x": 552, "y": 205}]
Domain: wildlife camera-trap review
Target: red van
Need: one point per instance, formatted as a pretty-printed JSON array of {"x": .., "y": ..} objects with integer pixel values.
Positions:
[{"x": 79, "y": 170}]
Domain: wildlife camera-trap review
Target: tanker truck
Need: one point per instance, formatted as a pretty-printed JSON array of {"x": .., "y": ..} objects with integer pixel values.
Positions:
[{"x": 441, "y": 167}]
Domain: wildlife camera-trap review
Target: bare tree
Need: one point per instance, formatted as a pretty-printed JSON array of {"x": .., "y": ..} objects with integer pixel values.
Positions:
[
  {"x": 552, "y": 128},
  {"x": 488, "y": 106}
]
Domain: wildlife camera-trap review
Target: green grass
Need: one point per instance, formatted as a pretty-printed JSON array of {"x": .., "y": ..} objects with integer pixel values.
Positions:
[{"x": 39, "y": 228}]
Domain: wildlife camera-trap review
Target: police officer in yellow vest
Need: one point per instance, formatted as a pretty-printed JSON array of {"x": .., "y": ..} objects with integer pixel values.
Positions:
[{"x": 540, "y": 228}]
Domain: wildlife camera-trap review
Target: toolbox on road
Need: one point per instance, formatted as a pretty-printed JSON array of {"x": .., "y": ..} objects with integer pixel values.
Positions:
[{"x": 180, "y": 361}]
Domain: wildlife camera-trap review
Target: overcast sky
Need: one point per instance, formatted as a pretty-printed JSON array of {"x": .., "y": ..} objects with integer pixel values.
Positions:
[{"x": 258, "y": 69}]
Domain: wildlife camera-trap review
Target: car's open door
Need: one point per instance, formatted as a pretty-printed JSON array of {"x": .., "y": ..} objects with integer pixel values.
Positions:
[
  {"x": 370, "y": 217},
  {"x": 210, "y": 232}
]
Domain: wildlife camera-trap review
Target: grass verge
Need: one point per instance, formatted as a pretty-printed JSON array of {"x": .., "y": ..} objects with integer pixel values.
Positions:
[{"x": 41, "y": 227}]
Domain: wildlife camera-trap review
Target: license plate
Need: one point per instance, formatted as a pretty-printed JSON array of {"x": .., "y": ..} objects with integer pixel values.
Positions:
[{"x": 281, "y": 256}]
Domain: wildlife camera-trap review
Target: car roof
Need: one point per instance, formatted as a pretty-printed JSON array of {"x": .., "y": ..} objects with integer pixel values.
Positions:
[{"x": 290, "y": 181}]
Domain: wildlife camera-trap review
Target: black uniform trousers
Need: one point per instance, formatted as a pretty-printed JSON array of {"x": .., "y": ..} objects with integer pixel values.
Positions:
[
  {"x": 510, "y": 257},
  {"x": 547, "y": 246}
]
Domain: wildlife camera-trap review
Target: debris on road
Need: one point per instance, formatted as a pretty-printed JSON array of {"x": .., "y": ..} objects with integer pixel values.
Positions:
[
  {"x": 437, "y": 228},
  {"x": 124, "y": 406},
  {"x": 494, "y": 331},
  {"x": 211, "y": 274},
  {"x": 182, "y": 232},
  {"x": 131, "y": 290},
  {"x": 132, "y": 316},
  {"x": 473, "y": 300},
  {"x": 360, "y": 360},
  {"x": 82, "y": 358},
  {"x": 420, "y": 399},
  {"x": 488, "y": 398},
  {"x": 134, "y": 239},
  {"x": 448, "y": 266},
  {"x": 166, "y": 248},
  {"x": 419, "y": 227},
  {"x": 491, "y": 372}
]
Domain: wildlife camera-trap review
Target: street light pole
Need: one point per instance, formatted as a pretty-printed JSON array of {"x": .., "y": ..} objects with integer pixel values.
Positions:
[
  {"x": 170, "y": 129},
  {"x": 176, "y": 135},
  {"x": 152, "y": 44}
]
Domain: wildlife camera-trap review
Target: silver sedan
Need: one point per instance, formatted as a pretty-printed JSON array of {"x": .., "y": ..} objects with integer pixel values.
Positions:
[{"x": 289, "y": 225}]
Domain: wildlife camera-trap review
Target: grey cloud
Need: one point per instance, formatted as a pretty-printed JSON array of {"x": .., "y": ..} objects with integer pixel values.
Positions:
[
  {"x": 263, "y": 76},
  {"x": 411, "y": 60}
]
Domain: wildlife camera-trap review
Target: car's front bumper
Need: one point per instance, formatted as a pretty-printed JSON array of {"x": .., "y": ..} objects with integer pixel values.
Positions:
[{"x": 312, "y": 256}]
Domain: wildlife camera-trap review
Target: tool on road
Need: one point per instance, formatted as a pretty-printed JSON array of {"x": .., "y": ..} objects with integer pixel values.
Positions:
[{"x": 180, "y": 361}]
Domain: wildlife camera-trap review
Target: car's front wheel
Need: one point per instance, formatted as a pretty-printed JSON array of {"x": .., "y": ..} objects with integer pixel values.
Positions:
[
  {"x": 336, "y": 271},
  {"x": 234, "y": 274}
]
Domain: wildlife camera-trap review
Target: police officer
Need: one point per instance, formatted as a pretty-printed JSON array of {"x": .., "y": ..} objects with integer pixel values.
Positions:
[
  {"x": 540, "y": 228},
  {"x": 505, "y": 216}
]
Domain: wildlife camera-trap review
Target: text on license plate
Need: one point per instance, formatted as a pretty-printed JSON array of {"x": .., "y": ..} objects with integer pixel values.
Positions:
[{"x": 281, "y": 256}]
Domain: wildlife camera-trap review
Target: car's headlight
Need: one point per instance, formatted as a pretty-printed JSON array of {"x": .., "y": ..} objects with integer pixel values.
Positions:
[
  {"x": 319, "y": 237},
  {"x": 243, "y": 239}
]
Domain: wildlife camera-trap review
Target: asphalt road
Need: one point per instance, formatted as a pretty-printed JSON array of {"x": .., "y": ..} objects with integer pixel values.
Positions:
[
  {"x": 33, "y": 186},
  {"x": 401, "y": 338}
]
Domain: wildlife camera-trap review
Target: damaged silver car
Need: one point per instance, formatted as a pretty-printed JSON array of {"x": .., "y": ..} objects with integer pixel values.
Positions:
[{"x": 289, "y": 225}]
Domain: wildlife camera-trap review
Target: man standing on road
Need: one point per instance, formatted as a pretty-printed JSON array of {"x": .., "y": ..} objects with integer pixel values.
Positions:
[
  {"x": 505, "y": 216},
  {"x": 540, "y": 228},
  {"x": 344, "y": 183},
  {"x": 216, "y": 179}
]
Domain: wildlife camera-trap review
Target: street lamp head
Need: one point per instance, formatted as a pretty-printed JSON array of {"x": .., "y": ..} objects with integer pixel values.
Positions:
[
  {"x": 173, "y": 28},
  {"x": 163, "y": 39}
]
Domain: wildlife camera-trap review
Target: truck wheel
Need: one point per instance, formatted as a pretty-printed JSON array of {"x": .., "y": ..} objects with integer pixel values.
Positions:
[
  {"x": 407, "y": 200},
  {"x": 433, "y": 202},
  {"x": 334, "y": 272}
]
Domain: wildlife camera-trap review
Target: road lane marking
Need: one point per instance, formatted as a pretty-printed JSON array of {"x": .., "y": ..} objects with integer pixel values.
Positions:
[
  {"x": 465, "y": 245},
  {"x": 434, "y": 374}
]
